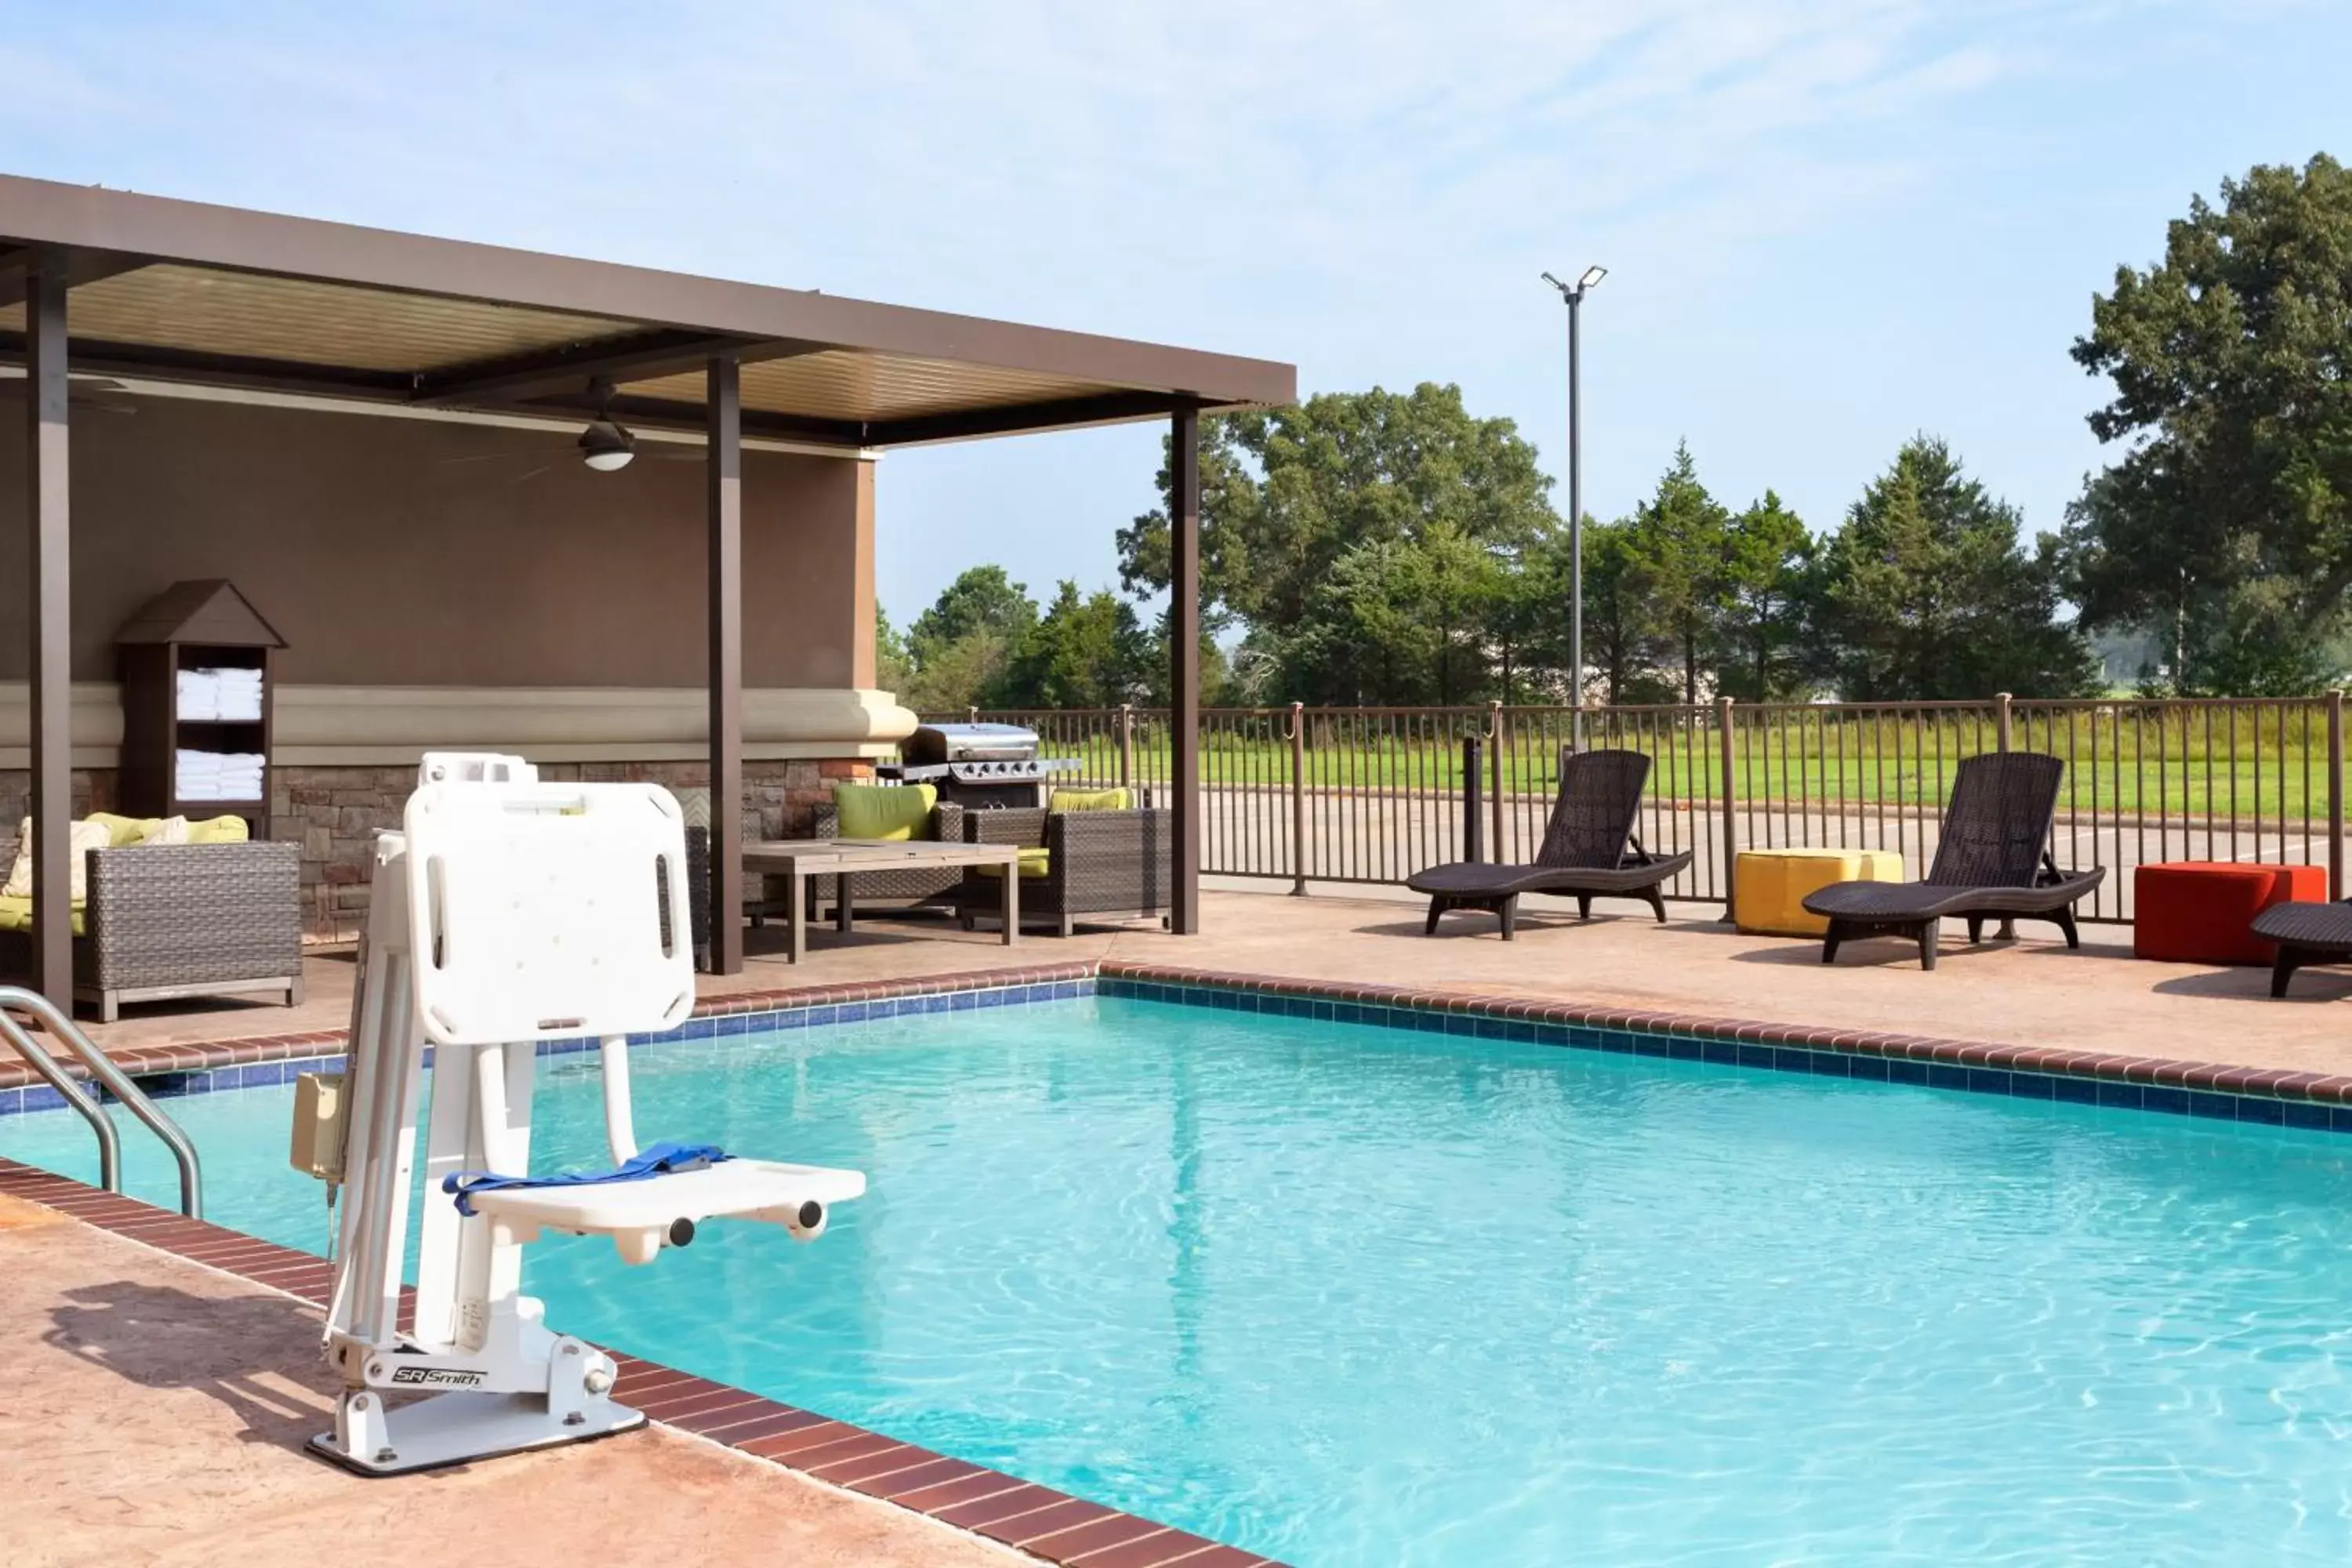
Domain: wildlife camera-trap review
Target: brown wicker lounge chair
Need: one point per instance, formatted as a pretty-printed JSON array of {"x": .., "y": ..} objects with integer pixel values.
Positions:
[
  {"x": 2305, "y": 932},
  {"x": 1588, "y": 849},
  {"x": 1993, "y": 861}
]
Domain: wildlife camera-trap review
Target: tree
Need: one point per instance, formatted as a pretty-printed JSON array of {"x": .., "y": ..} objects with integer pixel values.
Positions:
[
  {"x": 1767, "y": 559},
  {"x": 1926, "y": 593},
  {"x": 1623, "y": 641},
  {"x": 981, "y": 598},
  {"x": 1400, "y": 620},
  {"x": 1682, "y": 533},
  {"x": 2225, "y": 528},
  {"x": 1088, "y": 652},
  {"x": 959, "y": 648},
  {"x": 894, "y": 668},
  {"x": 1287, "y": 495}
]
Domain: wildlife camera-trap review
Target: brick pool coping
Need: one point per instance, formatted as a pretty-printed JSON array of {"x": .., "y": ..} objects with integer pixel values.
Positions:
[
  {"x": 2266, "y": 1095},
  {"x": 1050, "y": 1525}
]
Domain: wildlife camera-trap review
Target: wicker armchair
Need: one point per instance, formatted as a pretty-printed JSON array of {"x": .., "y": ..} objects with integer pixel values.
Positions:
[
  {"x": 169, "y": 921},
  {"x": 1101, "y": 865},
  {"x": 874, "y": 889}
]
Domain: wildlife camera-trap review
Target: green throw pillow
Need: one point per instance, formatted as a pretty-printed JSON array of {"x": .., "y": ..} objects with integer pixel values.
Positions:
[
  {"x": 219, "y": 830},
  {"x": 123, "y": 830},
  {"x": 1090, "y": 800},
  {"x": 883, "y": 811}
]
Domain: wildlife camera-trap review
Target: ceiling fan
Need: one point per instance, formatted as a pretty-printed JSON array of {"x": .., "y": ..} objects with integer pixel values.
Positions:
[{"x": 605, "y": 445}]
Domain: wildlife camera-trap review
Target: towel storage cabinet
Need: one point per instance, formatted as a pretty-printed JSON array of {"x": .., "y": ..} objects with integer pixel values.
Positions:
[{"x": 196, "y": 667}]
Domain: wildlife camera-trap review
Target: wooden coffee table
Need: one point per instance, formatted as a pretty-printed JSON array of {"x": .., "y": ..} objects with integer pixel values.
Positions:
[{"x": 796, "y": 859}]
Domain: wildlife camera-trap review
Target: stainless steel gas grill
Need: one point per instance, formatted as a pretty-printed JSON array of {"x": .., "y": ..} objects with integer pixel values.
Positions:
[{"x": 978, "y": 766}]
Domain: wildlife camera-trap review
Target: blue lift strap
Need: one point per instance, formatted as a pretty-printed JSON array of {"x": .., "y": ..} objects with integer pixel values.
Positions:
[{"x": 656, "y": 1160}]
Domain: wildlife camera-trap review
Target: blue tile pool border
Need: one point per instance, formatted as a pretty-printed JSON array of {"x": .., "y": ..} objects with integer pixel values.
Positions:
[{"x": 2267, "y": 1097}]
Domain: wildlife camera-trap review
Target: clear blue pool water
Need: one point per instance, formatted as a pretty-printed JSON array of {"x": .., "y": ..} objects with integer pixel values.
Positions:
[{"x": 1348, "y": 1295}]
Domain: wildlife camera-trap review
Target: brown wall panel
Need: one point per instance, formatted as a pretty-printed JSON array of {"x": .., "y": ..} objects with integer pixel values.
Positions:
[{"x": 383, "y": 562}]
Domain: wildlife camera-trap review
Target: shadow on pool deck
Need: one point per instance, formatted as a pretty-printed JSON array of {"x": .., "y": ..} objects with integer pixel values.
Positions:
[{"x": 167, "y": 1406}]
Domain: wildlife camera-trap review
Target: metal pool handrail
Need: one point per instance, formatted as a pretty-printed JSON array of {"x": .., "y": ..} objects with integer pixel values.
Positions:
[{"x": 117, "y": 1084}]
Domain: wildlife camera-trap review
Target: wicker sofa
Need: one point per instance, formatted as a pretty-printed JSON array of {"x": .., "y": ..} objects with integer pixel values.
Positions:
[
  {"x": 168, "y": 921},
  {"x": 1099, "y": 865}
]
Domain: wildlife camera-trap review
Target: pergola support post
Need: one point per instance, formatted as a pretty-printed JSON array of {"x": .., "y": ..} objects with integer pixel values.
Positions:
[
  {"x": 724, "y": 464},
  {"x": 1185, "y": 659},
  {"x": 48, "y": 516}
]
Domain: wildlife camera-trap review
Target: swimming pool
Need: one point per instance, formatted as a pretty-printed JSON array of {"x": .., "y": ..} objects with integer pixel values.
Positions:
[{"x": 1343, "y": 1294}]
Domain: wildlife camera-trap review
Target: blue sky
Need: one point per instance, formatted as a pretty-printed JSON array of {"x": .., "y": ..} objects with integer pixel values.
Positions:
[{"x": 1830, "y": 223}]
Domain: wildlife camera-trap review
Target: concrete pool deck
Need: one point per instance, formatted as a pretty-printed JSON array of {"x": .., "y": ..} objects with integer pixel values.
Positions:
[
  {"x": 169, "y": 1403},
  {"x": 2031, "y": 992}
]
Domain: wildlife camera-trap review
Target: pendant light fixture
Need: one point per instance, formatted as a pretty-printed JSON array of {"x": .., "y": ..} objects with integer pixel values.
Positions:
[{"x": 605, "y": 445}]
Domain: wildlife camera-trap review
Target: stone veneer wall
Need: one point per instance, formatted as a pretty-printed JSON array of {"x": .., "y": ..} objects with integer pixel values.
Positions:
[{"x": 335, "y": 813}]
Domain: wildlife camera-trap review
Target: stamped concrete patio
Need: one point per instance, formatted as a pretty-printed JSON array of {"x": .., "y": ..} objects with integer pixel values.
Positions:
[
  {"x": 2031, "y": 992},
  {"x": 169, "y": 1404}
]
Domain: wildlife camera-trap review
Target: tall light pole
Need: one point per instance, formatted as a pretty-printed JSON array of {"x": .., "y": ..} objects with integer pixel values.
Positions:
[{"x": 1574, "y": 294}]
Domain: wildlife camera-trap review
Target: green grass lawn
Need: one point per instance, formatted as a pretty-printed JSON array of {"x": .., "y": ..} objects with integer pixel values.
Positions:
[{"x": 2132, "y": 758}]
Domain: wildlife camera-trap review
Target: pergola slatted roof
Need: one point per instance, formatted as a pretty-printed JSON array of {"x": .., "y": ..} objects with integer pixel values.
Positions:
[
  {"x": 176, "y": 290},
  {"x": 96, "y": 283}
]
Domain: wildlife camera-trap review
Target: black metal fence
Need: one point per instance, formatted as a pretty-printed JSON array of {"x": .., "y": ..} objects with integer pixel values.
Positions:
[{"x": 1371, "y": 794}]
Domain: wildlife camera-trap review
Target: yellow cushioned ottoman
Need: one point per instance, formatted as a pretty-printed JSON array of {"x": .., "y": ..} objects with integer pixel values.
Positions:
[{"x": 1768, "y": 887}]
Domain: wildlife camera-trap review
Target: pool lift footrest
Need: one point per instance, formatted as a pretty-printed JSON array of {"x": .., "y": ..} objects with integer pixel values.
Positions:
[{"x": 505, "y": 913}]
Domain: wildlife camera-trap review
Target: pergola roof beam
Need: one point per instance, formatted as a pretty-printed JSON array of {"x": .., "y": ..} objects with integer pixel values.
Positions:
[
  {"x": 660, "y": 413},
  {"x": 1060, "y": 414},
  {"x": 150, "y": 362},
  {"x": 635, "y": 357},
  {"x": 82, "y": 267}
]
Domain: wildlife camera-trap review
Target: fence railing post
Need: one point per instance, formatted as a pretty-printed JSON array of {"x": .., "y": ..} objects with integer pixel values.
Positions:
[
  {"x": 2000, "y": 720},
  {"x": 1495, "y": 779},
  {"x": 2335, "y": 794},
  {"x": 1473, "y": 821},
  {"x": 1127, "y": 745},
  {"x": 972, "y": 714},
  {"x": 1298, "y": 800},
  {"x": 1730, "y": 807}
]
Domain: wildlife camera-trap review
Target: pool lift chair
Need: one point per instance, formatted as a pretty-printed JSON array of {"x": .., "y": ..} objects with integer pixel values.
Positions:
[{"x": 507, "y": 913}]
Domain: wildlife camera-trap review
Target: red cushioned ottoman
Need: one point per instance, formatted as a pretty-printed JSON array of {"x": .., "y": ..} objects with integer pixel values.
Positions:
[{"x": 2197, "y": 912}]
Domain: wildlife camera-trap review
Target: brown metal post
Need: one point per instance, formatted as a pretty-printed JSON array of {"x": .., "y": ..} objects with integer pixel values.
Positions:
[
  {"x": 1731, "y": 805},
  {"x": 1185, "y": 657},
  {"x": 1495, "y": 779},
  {"x": 2335, "y": 794},
  {"x": 723, "y": 463},
  {"x": 2001, "y": 718},
  {"x": 49, "y": 518},
  {"x": 1127, "y": 745},
  {"x": 1298, "y": 800}
]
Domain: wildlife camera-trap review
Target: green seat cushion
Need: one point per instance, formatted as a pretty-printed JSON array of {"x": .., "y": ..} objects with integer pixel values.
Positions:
[
  {"x": 1117, "y": 799},
  {"x": 1035, "y": 863},
  {"x": 883, "y": 811},
  {"x": 123, "y": 830},
  {"x": 219, "y": 830},
  {"x": 16, "y": 914}
]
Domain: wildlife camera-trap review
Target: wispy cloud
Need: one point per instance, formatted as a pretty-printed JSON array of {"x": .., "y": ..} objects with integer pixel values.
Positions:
[{"x": 1790, "y": 189}]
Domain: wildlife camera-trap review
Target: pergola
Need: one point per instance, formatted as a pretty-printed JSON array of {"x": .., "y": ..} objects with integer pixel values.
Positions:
[{"x": 98, "y": 283}]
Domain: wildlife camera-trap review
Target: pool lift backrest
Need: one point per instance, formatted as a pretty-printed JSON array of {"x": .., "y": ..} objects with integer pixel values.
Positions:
[{"x": 506, "y": 914}]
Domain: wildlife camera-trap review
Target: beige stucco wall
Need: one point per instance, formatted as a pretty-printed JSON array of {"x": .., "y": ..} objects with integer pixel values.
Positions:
[{"x": 389, "y": 556}]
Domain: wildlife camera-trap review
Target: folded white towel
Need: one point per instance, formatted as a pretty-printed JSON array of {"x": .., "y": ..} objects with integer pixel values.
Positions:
[
  {"x": 200, "y": 694},
  {"x": 218, "y": 775}
]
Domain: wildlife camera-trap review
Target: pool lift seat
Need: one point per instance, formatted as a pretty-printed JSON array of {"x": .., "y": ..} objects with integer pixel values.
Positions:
[{"x": 505, "y": 914}]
